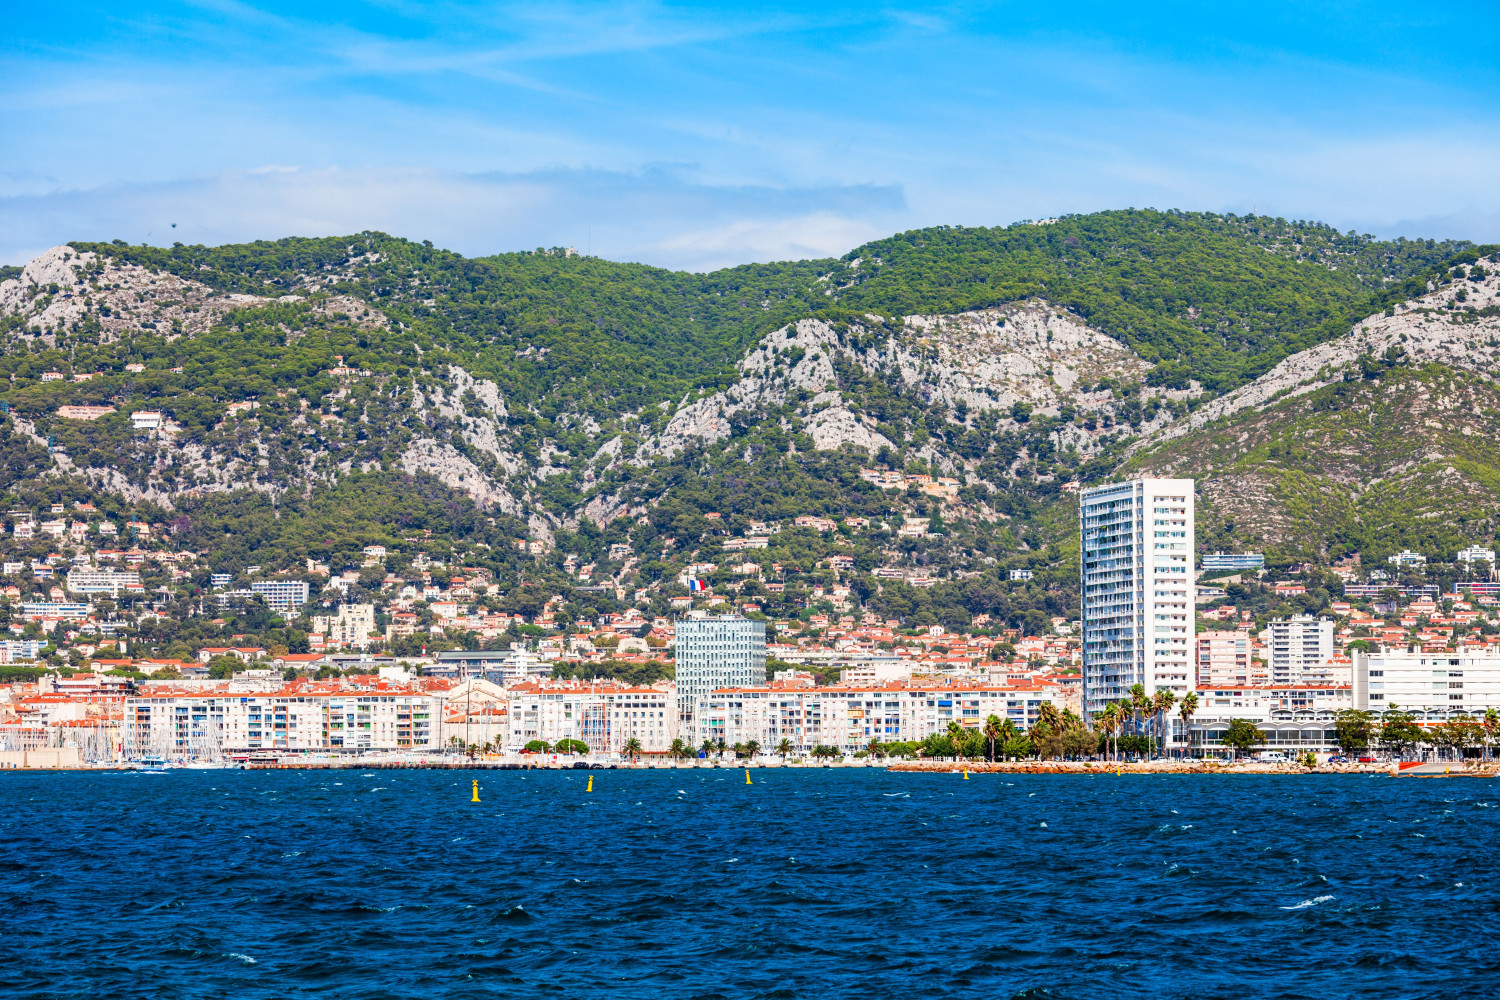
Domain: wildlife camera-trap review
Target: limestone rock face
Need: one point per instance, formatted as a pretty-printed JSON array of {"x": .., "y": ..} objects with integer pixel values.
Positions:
[{"x": 63, "y": 287}]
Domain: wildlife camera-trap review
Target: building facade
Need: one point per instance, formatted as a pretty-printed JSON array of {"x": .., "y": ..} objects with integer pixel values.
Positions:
[
  {"x": 217, "y": 722},
  {"x": 848, "y": 717},
  {"x": 1217, "y": 561},
  {"x": 604, "y": 718},
  {"x": 712, "y": 653},
  {"x": 1301, "y": 650},
  {"x": 1137, "y": 588},
  {"x": 1432, "y": 686},
  {"x": 1224, "y": 659},
  {"x": 281, "y": 595}
]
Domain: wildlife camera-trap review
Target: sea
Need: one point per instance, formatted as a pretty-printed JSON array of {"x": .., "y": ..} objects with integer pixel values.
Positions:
[{"x": 837, "y": 883}]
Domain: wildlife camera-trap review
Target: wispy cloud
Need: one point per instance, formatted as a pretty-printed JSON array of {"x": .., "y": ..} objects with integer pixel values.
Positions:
[{"x": 698, "y": 133}]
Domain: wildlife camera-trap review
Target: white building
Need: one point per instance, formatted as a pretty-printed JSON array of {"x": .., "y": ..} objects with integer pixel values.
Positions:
[
  {"x": 296, "y": 717},
  {"x": 1406, "y": 557},
  {"x": 1301, "y": 651},
  {"x": 604, "y": 717},
  {"x": 1433, "y": 686},
  {"x": 1476, "y": 554},
  {"x": 712, "y": 653},
  {"x": 350, "y": 628},
  {"x": 146, "y": 420},
  {"x": 1137, "y": 588},
  {"x": 84, "y": 580},
  {"x": 850, "y": 716},
  {"x": 281, "y": 595}
]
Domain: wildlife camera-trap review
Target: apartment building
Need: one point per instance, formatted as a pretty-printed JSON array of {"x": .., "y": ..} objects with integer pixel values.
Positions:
[
  {"x": 348, "y": 628},
  {"x": 713, "y": 653},
  {"x": 1137, "y": 588},
  {"x": 1431, "y": 685},
  {"x": 1301, "y": 650},
  {"x": 86, "y": 580},
  {"x": 1224, "y": 659},
  {"x": 281, "y": 595},
  {"x": 217, "y": 721},
  {"x": 604, "y": 718},
  {"x": 849, "y": 716}
]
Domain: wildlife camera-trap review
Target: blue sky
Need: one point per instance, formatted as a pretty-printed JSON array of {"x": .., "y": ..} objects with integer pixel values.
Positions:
[{"x": 699, "y": 135}]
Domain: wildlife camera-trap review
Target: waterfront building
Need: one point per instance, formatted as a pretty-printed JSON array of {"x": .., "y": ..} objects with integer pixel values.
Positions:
[
  {"x": 604, "y": 717},
  {"x": 217, "y": 720},
  {"x": 1301, "y": 649},
  {"x": 1431, "y": 685},
  {"x": 1137, "y": 588},
  {"x": 713, "y": 653},
  {"x": 848, "y": 716}
]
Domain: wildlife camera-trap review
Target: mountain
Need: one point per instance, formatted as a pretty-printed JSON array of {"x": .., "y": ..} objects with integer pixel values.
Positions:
[{"x": 1331, "y": 390}]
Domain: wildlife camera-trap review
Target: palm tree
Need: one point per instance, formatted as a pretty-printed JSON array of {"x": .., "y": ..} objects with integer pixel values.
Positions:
[
  {"x": 1047, "y": 715},
  {"x": 956, "y": 736},
  {"x": 751, "y": 749},
  {"x": 721, "y": 746},
  {"x": 1108, "y": 719},
  {"x": 1491, "y": 726},
  {"x": 632, "y": 748},
  {"x": 784, "y": 748},
  {"x": 679, "y": 749},
  {"x": 993, "y": 732},
  {"x": 874, "y": 748},
  {"x": 1185, "y": 709},
  {"x": 1140, "y": 703},
  {"x": 1161, "y": 703},
  {"x": 708, "y": 747}
]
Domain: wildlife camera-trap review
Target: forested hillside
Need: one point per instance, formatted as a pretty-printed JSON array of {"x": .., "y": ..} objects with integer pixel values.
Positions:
[{"x": 320, "y": 395}]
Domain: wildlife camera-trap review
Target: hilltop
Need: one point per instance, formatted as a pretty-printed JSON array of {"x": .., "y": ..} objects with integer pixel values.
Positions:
[{"x": 1331, "y": 390}]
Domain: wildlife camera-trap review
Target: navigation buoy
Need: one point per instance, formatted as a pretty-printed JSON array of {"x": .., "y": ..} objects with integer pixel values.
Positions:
[
  {"x": 476, "y": 791},
  {"x": 747, "y": 777},
  {"x": 966, "y": 774},
  {"x": 591, "y": 784}
]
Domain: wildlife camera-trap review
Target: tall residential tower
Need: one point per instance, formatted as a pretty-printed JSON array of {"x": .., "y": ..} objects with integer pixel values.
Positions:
[
  {"x": 1137, "y": 588},
  {"x": 713, "y": 653}
]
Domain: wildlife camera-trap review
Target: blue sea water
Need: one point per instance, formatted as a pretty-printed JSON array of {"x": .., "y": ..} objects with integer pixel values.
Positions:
[{"x": 824, "y": 883}]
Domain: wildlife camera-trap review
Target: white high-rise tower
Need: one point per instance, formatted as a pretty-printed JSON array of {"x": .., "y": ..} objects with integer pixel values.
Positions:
[{"x": 1137, "y": 588}]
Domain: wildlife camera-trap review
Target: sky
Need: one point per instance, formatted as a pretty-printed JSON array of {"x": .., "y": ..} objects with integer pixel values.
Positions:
[{"x": 701, "y": 135}]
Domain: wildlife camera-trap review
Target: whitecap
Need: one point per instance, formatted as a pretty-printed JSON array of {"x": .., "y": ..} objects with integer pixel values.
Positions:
[
  {"x": 1309, "y": 902},
  {"x": 243, "y": 958},
  {"x": 1174, "y": 812},
  {"x": 733, "y": 860},
  {"x": 1042, "y": 825}
]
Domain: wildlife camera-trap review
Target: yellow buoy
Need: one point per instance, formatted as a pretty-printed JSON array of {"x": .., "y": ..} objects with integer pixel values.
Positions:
[
  {"x": 1117, "y": 772},
  {"x": 966, "y": 774},
  {"x": 591, "y": 784},
  {"x": 747, "y": 777},
  {"x": 476, "y": 791}
]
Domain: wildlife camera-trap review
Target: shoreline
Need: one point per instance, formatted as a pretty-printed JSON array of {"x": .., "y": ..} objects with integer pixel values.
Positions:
[{"x": 1438, "y": 770}]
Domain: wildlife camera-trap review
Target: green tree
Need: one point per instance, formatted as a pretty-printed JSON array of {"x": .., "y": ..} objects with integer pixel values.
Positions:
[
  {"x": 1242, "y": 736},
  {"x": 1399, "y": 733},
  {"x": 784, "y": 748},
  {"x": 632, "y": 748},
  {"x": 570, "y": 746},
  {"x": 1185, "y": 710},
  {"x": 993, "y": 732},
  {"x": 538, "y": 746},
  {"x": 1161, "y": 703},
  {"x": 1353, "y": 729}
]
